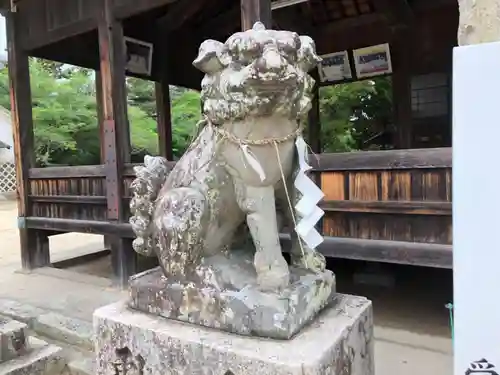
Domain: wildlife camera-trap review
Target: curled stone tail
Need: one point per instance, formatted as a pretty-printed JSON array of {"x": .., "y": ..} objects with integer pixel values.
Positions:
[{"x": 150, "y": 178}]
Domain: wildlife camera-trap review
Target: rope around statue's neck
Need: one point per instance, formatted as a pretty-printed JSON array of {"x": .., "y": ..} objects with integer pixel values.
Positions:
[{"x": 223, "y": 133}]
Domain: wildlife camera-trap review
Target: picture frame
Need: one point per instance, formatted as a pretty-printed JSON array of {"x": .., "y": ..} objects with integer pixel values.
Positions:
[
  {"x": 138, "y": 56},
  {"x": 335, "y": 67},
  {"x": 372, "y": 61}
]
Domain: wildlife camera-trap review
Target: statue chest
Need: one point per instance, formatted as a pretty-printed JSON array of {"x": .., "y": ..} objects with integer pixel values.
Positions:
[{"x": 259, "y": 165}]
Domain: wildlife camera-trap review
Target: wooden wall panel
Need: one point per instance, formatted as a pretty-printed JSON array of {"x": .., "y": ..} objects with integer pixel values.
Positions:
[
  {"x": 332, "y": 184},
  {"x": 394, "y": 196},
  {"x": 363, "y": 186},
  {"x": 69, "y": 198},
  {"x": 395, "y": 185},
  {"x": 430, "y": 185},
  {"x": 391, "y": 227}
]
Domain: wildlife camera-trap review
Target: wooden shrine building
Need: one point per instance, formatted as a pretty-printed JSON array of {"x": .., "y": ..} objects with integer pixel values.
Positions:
[{"x": 392, "y": 206}]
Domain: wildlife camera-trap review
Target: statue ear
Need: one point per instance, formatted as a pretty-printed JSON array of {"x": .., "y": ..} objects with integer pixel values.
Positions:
[
  {"x": 307, "y": 53},
  {"x": 208, "y": 57}
]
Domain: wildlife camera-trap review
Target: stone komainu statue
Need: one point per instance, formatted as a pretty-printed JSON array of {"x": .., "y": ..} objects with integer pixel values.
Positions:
[{"x": 256, "y": 92}]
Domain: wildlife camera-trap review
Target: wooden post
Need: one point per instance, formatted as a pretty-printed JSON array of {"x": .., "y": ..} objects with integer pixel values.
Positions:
[
  {"x": 100, "y": 114},
  {"x": 34, "y": 243},
  {"x": 313, "y": 118},
  {"x": 164, "y": 118},
  {"x": 100, "y": 119},
  {"x": 116, "y": 135},
  {"x": 255, "y": 10},
  {"x": 401, "y": 90}
]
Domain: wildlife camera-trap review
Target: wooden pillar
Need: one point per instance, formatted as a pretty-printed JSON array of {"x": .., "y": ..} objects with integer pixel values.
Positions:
[
  {"x": 164, "y": 118},
  {"x": 313, "y": 118},
  {"x": 255, "y": 10},
  {"x": 100, "y": 114},
  {"x": 100, "y": 121},
  {"x": 34, "y": 243},
  {"x": 116, "y": 135},
  {"x": 401, "y": 90}
]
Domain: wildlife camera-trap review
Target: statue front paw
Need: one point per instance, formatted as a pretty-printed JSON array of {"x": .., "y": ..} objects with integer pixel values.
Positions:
[
  {"x": 271, "y": 276},
  {"x": 310, "y": 260}
]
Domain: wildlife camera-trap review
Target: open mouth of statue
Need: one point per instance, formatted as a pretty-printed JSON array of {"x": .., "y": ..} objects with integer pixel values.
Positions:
[{"x": 274, "y": 83}]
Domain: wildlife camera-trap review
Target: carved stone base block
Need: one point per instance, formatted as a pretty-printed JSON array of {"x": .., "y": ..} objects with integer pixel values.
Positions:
[
  {"x": 338, "y": 342},
  {"x": 226, "y": 297}
]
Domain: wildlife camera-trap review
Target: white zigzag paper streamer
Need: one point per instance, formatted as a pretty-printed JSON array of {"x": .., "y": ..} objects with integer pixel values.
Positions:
[{"x": 307, "y": 207}]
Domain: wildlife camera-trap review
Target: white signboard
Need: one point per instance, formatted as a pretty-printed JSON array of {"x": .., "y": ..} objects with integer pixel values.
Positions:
[
  {"x": 335, "y": 67},
  {"x": 476, "y": 203},
  {"x": 139, "y": 56},
  {"x": 373, "y": 61}
]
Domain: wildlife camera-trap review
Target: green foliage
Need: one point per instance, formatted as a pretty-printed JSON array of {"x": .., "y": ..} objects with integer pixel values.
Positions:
[
  {"x": 353, "y": 113},
  {"x": 185, "y": 111},
  {"x": 65, "y": 116},
  {"x": 141, "y": 94},
  {"x": 185, "y": 115}
]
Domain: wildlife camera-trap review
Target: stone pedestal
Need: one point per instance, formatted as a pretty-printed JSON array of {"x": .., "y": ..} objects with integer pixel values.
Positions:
[
  {"x": 227, "y": 297},
  {"x": 338, "y": 342}
]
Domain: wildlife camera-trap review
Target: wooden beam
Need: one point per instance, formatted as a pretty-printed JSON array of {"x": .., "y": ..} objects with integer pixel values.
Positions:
[
  {"x": 399, "y": 252},
  {"x": 131, "y": 8},
  {"x": 116, "y": 135},
  {"x": 121, "y": 230},
  {"x": 291, "y": 20},
  {"x": 178, "y": 14},
  {"x": 34, "y": 244},
  {"x": 222, "y": 24},
  {"x": 356, "y": 32},
  {"x": 255, "y": 10},
  {"x": 389, "y": 207},
  {"x": 429, "y": 158},
  {"x": 61, "y": 33}
]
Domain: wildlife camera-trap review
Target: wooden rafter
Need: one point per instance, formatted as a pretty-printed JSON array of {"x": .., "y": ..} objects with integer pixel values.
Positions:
[
  {"x": 179, "y": 13},
  {"x": 398, "y": 13},
  {"x": 346, "y": 24},
  {"x": 223, "y": 23}
]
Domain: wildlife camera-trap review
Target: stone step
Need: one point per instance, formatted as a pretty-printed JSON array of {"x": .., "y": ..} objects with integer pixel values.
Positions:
[
  {"x": 13, "y": 341},
  {"x": 42, "y": 359},
  {"x": 67, "y": 330},
  {"x": 50, "y": 324}
]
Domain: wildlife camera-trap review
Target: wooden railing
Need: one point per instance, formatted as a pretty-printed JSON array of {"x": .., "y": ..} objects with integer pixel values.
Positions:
[{"x": 390, "y": 206}]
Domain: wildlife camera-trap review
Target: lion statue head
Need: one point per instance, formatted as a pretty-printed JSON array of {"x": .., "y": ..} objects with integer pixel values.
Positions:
[{"x": 257, "y": 72}]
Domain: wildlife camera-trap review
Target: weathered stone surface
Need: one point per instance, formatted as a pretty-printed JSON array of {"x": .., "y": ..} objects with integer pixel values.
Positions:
[
  {"x": 232, "y": 300},
  {"x": 338, "y": 342},
  {"x": 20, "y": 311},
  {"x": 42, "y": 359},
  {"x": 81, "y": 366},
  {"x": 12, "y": 339},
  {"x": 479, "y": 21},
  {"x": 69, "y": 330}
]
